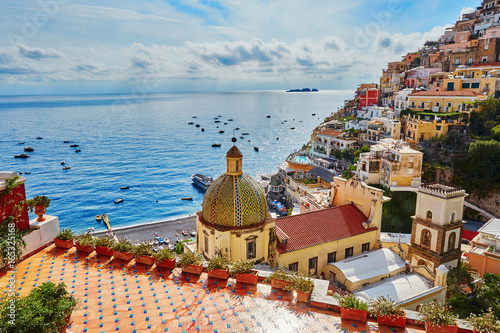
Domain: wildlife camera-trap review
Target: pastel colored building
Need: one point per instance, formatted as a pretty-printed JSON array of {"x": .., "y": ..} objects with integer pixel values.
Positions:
[
  {"x": 479, "y": 78},
  {"x": 10, "y": 204},
  {"x": 380, "y": 128},
  {"x": 369, "y": 97},
  {"x": 484, "y": 255},
  {"x": 327, "y": 140},
  {"x": 441, "y": 101}
]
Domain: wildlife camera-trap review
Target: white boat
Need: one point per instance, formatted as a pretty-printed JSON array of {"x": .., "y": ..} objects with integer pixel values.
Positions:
[
  {"x": 202, "y": 181},
  {"x": 117, "y": 201}
]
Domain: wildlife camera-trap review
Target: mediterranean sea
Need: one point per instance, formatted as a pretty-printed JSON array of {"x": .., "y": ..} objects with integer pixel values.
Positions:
[{"x": 146, "y": 143}]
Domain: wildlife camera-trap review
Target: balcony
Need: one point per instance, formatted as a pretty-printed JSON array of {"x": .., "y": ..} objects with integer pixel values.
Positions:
[{"x": 436, "y": 108}]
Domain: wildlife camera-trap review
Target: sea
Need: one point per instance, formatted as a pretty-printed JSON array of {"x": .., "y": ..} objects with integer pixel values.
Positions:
[{"x": 146, "y": 142}]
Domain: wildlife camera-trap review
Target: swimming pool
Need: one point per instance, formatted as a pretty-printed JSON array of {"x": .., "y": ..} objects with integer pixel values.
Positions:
[{"x": 299, "y": 159}]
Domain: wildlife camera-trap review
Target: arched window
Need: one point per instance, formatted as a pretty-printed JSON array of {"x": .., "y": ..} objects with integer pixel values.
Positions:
[
  {"x": 425, "y": 238},
  {"x": 421, "y": 262},
  {"x": 452, "y": 219},
  {"x": 428, "y": 215},
  {"x": 451, "y": 241}
]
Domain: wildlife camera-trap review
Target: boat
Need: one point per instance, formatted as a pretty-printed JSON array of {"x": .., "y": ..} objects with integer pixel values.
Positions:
[
  {"x": 27, "y": 172},
  {"x": 66, "y": 141},
  {"x": 39, "y": 138},
  {"x": 277, "y": 138},
  {"x": 195, "y": 117},
  {"x": 74, "y": 146},
  {"x": 313, "y": 114},
  {"x": 20, "y": 143},
  {"x": 117, "y": 201},
  {"x": 237, "y": 128},
  {"x": 268, "y": 117},
  {"x": 197, "y": 125},
  {"x": 202, "y": 181},
  {"x": 66, "y": 168},
  {"x": 21, "y": 172},
  {"x": 203, "y": 130},
  {"x": 29, "y": 149},
  {"x": 184, "y": 232},
  {"x": 217, "y": 121},
  {"x": 245, "y": 133},
  {"x": 292, "y": 128},
  {"x": 78, "y": 150},
  {"x": 98, "y": 218},
  {"x": 23, "y": 155},
  {"x": 124, "y": 187},
  {"x": 192, "y": 233},
  {"x": 221, "y": 131},
  {"x": 63, "y": 162},
  {"x": 187, "y": 198},
  {"x": 216, "y": 144},
  {"x": 190, "y": 123},
  {"x": 256, "y": 148},
  {"x": 230, "y": 119},
  {"x": 225, "y": 123}
]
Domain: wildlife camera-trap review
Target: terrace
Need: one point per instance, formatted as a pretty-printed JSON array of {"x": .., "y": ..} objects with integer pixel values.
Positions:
[{"x": 118, "y": 296}]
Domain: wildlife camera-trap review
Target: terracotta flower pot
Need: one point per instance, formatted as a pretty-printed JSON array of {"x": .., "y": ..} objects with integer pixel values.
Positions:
[
  {"x": 219, "y": 273},
  {"x": 431, "y": 328},
  {"x": 354, "y": 314},
  {"x": 84, "y": 248},
  {"x": 103, "y": 250},
  {"x": 40, "y": 210},
  {"x": 193, "y": 269},
  {"x": 392, "y": 321},
  {"x": 146, "y": 260},
  {"x": 303, "y": 296},
  {"x": 66, "y": 325},
  {"x": 167, "y": 263},
  {"x": 123, "y": 255},
  {"x": 249, "y": 278},
  {"x": 64, "y": 244},
  {"x": 280, "y": 284}
]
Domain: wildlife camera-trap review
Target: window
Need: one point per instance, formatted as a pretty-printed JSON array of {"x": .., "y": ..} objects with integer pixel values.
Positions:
[
  {"x": 457, "y": 61},
  {"x": 412, "y": 104},
  {"x": 425, "y": 236},
  {"x": 422, "y": 105},
  {"x": 365, "y": 247},
  {"x": 452, "y": 219},
  {"x": 349, "y": 252},
  {"x": 475, "y": 85},
  {"x": 293, "y": 267},
  {"x": 237, "y": 166},
  {"x": 449, "y": 104},
  {"x": 437, "y": 104},
  {"x": 470, "y": 60},
  {"x": 205, "y": 241},
  {"x": 410, "y": 171},
  {"x": 485, "y": 59},
  {"x": 451, "y": 241},
  {"x": 465, "y": 85},
  {"x": 251, "y": 248},
  {"x": 438, "y": 128},
  {"x": 313, "y": 266},
  {"x": 428, "y": 215},
  {"x": 332, "y": 257}
]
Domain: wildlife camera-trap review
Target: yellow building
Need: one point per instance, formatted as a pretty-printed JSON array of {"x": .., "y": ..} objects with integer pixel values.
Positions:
[
  {"x": 423, "y": 125},
  {"x": 234, "y": 221},
  {"x": 308, "y": 242},
  {"x": 482, "y": 80},
  {"x": 442, "y": 101}
]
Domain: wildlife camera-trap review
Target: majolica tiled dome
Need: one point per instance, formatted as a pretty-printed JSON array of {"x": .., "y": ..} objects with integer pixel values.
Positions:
[{"x": 234, "y": 199}]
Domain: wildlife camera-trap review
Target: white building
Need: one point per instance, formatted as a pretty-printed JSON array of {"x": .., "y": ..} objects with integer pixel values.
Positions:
[{"x": 401, "y": 100}]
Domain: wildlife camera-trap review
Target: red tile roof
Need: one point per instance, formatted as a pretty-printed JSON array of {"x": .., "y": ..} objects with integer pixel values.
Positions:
[
  {"x": 486, "y": 64},
  {"x": 444, "y": 93},
  {"x": 322, "y": 226},
  {"x": 330, "y": 132}
]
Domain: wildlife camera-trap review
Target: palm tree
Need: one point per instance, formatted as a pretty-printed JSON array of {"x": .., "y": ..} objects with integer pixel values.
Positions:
[{"x": 459, "y": 276}]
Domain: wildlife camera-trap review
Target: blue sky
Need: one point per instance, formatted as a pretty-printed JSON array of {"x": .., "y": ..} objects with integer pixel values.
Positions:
[{"x": 69, "y": 46}]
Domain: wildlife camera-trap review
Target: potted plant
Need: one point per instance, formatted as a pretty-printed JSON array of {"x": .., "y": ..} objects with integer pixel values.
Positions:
[
  {"x": 39, "y": 204},
  {"x": 485, "y": 322},
  {"x": 387, "y": 312},
  {"x": 303, "y": 287},
  {"x": 85, "y": 242},
  {"x": 46, "y": 309},
  {"x": 104, "y": 245},
  {"x": 143, "y": 254},
  {"x": 244, "y": 272},
  {"x": 438, "y": 318},
  {"x": 191, "y": 263},
  {"x": 122, "y": 248},
  {"x": 64, "y": 239},
  {"x": 218, "y": 267},
  {"x": 281, "y": 278},
  {"x": 352, "y": 308},
  {"x": 165, "y": 258}
]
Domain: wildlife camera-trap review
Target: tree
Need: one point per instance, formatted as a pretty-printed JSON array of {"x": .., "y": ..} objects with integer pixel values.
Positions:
[
  {"x": 365, "y": 148},
  {"x": 459, "y": 276},
  {"x": 488, "y": 293}
]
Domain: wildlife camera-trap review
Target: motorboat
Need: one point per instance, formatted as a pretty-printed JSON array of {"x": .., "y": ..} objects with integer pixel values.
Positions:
[
  {"x": 63, "y": 162},
  {"x": 117, "y": 201},
  {"x": 23, "y": 155},
  {"x": 221, "y": 131},
  {"x": 20, "y": 143},
  {"x": 197, "y": 125},
  {"x": 27, "y": 172},
  {"x": 268, "y": 117},
  {"x": 29, "y": 149},
  {"x": 190, "y": 123},
  {"x": 202, "y": 181},
  {"x": 203, "y": 130},
  {"x": 217, "y": 121},
  {"x": 192, "y": 233},
  {"x": 184, "y": 232},
  {"x": 292, "y": 128},
  {"x": 98, "y": 218},
  {"x": 195, "y": 117},
  {"x": 66, "y": 141},
  {"x": 21, "y": 172},
  {"x": 39, "y": 138},
  {"x": 124, "y": 187},
  {"x": 187, "y": 198},
  {"x": 67, "y": 167},
  {"x": 237, "y": 129},
  {"x": 313, "y": 114},
  {"x": 230, "y": 119},
  {"x": 225, "y": 123},
  {"x": 216, "y": 144},
  {"x": 245, "y": 133},
  {"x": 74, "y": 146},
  {"x": 78, "y": 150},
  {"x": 256, "y": 148}
]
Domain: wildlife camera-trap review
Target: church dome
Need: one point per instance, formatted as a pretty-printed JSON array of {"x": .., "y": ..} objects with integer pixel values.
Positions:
[{"x": 234, "y": 200}]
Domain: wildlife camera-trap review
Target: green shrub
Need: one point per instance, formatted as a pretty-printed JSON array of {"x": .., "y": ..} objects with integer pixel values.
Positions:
[
  {"x": 281, "y": 274},
  {"x": 437, "y": 314},
  {"x": 217, "y": 262},
  {"x": 164, "y": 254},
  {"x": 241, "y": 267},
  {"x": 301, "y": 283},
  {"x": 381, "y": 306},
  {"x": 39, "y": 200},
  {"x": 105, "y": 241},
  {"x": 484, "y": 323},
  {"x": 65, "y": 234},
  {"x": 189, "y": 258},
  {"x": 86, "y": 239},
  {"x": 123, "y": 245},
  {"x": 349, "y": 301}
]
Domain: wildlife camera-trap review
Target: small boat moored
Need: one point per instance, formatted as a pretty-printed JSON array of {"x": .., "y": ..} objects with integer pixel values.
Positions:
[
  {"x": 39, "y": 138},
  {"x": 187, "y": 198},
  {"x": 66, "y": 168},
  {"x": 74, "y": 146},
  {"x": 221, "y": 131},
  {"x": 268, "y": 117},
  {"x": 202, "y": 181},
  {"x": 245, "y": 133},
  {"x": 216, "y": 145},
  {"x": 117, "y": 201},
  {"x": 29, "y": 149},
  {"x": 63, "y": 162},
  {"x": 197, "y": 125},
  {"x": 98, "y": 218},
  {"x": 256, "y": 148},
  {"x": 190, "y": 123},
  {"x": 192, "y": 233},
  {"x": 78, "y": 150},
  {"x": 20, "y": 143},
  {"x": 23, "y": 155},
  {"x": 66, "y": 141},
  {"x": 124, "y": 187}
]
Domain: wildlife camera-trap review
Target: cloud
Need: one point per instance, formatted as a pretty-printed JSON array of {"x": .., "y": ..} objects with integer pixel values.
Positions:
[
  {"x": 465, "y": 10},
  {"x": 117, "y": 14},
  {"x": 15, "y": 71},
  {"x": 38, "y": 54}
]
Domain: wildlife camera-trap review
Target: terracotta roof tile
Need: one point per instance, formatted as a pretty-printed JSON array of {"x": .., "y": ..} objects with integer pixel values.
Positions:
[
  {"x": 330, "y": 132},
  {"x": 444, "y": 93},
  {"x": 309, "y": 229}
]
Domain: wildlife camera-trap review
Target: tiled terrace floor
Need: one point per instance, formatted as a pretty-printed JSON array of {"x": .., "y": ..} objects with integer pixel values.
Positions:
[{"x": 123, "y": 297}]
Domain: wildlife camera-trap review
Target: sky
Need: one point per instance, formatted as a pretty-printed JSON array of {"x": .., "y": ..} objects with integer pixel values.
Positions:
[{"x": 124, "y": 46}]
